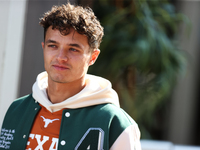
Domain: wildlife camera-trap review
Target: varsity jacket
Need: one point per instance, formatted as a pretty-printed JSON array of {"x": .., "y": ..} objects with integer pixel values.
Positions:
[{"x": 92, "y": 119}]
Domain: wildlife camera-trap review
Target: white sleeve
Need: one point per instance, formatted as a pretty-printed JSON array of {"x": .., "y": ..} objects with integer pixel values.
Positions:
[{"x": 129, "y": 139}]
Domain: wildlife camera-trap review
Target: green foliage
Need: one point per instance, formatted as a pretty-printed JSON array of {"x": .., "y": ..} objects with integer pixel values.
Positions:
[{"x": 139, "y": 54}]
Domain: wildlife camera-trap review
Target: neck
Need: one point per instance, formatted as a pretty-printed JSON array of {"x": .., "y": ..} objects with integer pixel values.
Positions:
[{"x": 58, "y": 92}]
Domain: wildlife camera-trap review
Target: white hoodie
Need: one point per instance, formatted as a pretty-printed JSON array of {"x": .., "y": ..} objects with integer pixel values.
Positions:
[{"x": 97, "y": 91}]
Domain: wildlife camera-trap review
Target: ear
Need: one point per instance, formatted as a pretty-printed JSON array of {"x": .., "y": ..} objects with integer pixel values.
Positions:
[
  {"x": 94, "y": 56},
  {"x": 42, "y": 45}
]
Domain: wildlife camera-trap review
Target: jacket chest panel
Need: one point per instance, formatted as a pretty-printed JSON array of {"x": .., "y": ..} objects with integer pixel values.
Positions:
[{"x": 83, "y": 130}]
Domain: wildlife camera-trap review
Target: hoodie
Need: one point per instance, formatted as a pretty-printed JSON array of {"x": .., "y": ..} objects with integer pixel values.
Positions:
[{"x": 97, "y": 91}]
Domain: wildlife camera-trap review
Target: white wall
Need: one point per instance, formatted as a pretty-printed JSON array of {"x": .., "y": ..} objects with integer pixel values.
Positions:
[{"x": 12, "y": 14}]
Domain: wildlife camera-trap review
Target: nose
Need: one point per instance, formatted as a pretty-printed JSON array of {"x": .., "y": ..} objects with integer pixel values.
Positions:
[{"x": 62, "y": 55}]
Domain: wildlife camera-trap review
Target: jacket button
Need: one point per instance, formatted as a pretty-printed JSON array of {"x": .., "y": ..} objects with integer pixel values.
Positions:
[
  {"x": 67, "y": 114},
  {"x": 24, "y": 136},
  {"x": 62, "y": 142}
]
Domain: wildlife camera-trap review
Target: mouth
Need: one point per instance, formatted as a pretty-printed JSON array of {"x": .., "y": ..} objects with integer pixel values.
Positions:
[{"x": 60, "y": 67}]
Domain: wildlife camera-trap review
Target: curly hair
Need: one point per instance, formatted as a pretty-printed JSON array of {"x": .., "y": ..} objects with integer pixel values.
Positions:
[{"x": 81, "y": 19}]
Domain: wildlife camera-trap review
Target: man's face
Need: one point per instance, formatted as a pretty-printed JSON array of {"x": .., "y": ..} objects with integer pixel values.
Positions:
[{"x": 67, "y": 58}]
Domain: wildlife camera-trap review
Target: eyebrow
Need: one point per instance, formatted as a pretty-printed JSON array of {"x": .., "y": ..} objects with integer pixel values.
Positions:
[{"x": 50, "y": 41}]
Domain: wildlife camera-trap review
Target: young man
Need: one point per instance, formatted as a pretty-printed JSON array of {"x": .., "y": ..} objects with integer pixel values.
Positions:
[{"x": 69, "y": 109}]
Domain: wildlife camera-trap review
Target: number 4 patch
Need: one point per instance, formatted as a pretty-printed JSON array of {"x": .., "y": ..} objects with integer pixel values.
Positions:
[{"x": 91, "y": 140}]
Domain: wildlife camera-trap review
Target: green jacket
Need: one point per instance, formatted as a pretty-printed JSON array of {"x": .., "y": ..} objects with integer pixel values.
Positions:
[{"x": 98, "y": 126}]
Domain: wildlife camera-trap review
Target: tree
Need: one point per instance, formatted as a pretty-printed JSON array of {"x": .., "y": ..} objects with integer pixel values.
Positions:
[{"x": 140, "y": 55}]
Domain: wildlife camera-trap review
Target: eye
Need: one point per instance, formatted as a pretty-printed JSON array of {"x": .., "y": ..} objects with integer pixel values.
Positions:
[
  {"x": 52, "y": 46},
  {"x": 73, "y": 50}
]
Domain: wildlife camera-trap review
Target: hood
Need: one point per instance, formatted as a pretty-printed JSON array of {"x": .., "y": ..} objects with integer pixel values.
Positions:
[{"x": 97, "y": 91}]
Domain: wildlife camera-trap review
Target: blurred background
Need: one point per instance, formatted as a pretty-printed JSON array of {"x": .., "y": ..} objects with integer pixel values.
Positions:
[{"x": 149, "y": 52}]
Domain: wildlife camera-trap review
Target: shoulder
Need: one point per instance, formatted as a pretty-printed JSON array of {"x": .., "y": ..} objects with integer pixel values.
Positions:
[
  {"x": 20, "y": 109},
  {"x": 116, "y": 114},
  {"x": 22, "y": 101},
  {"x": 109, "y": 114},
  {"x": 21, "y": 104}
]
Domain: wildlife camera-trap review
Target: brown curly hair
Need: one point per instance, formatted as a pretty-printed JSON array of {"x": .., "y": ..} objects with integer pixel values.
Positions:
[{"x": 81, "y": 19}]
